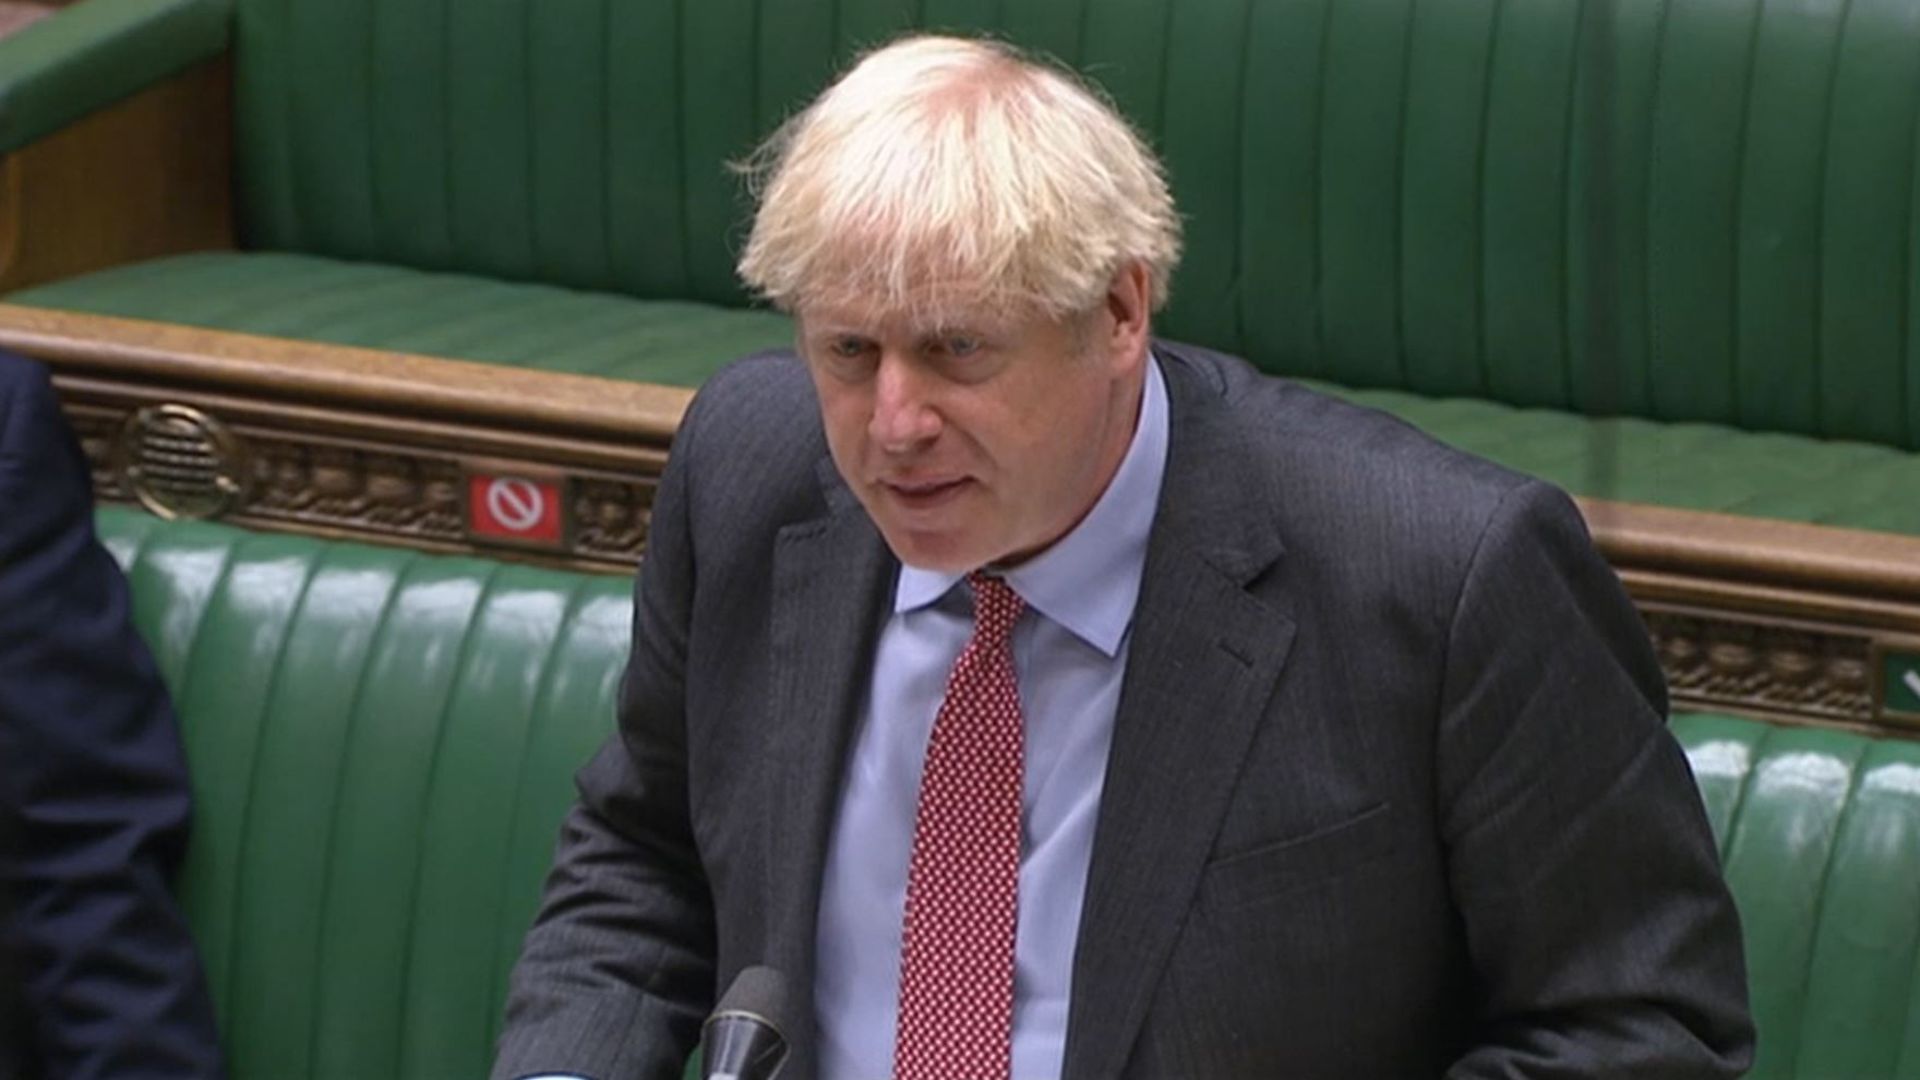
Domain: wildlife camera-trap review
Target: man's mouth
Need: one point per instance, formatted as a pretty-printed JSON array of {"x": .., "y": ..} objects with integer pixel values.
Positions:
[{"x": 924, "y": 494}]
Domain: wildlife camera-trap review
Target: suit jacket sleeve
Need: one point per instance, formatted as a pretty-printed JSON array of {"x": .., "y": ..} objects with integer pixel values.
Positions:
[
  {"x": 616, "y": 975},
  {"x": 93, "y": 780},
  {"x": 1581, "y": 858}
]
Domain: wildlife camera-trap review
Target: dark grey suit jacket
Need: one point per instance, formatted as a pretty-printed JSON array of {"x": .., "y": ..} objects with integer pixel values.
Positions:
[{"x": 1390, "y": 792}]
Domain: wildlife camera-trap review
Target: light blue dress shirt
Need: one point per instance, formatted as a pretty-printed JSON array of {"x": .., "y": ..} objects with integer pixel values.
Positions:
[{"x": 1069, "y": 652}]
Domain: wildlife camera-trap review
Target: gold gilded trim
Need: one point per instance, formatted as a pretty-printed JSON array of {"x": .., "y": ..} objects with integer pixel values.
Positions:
[{"x": 179, "y": 462}]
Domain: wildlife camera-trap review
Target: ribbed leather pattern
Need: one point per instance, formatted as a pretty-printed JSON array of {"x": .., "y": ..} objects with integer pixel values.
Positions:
[
  {"x": 454, "y": 315},
  {"x": 381, "y": 745},
  {"x": 1692, "y": 210},
  {"x": 1820, "y": 835},
  {"x": 1684, "y": 465}
]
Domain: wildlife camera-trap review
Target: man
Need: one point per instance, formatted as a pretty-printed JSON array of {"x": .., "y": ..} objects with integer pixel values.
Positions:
[
  {"x": 98, "y": 974},
  {"x": 1042, "y": 700}
]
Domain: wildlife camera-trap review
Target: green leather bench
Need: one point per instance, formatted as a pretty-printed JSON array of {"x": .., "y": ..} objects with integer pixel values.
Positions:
[
  {"x": 1498, "y": 220},
  {"x": 382, "y": 741},
  {"x": 382, "y": 745}
]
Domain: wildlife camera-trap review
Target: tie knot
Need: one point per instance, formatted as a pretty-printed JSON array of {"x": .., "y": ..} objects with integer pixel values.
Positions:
[{"x": 996, "y": 607}]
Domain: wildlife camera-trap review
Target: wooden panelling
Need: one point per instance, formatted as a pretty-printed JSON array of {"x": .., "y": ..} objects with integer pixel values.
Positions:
[{"x": 148, "y": 176}]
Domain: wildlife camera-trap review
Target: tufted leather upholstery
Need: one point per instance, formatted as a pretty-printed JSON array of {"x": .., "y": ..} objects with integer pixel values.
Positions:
[
  {"x": 1465, "y": 198},
  {"x": 381, "y": 745},
  {"x": 1820, "y": 835},
  {"x": 464, "y": 316}
]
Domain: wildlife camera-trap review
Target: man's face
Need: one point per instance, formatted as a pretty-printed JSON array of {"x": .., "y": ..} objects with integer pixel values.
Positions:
[{"x": 979, "y": 440}]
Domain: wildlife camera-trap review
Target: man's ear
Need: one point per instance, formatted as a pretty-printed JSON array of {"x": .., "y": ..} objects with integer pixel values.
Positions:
[{"x": 1129, "y": 305}]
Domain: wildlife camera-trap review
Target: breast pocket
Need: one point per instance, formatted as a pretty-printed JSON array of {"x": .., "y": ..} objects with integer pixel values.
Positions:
[{"x": 1293, "y": 862}]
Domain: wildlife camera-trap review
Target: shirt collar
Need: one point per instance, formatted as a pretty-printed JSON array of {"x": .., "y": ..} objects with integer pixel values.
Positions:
[{"x": 1089, "y": 580}]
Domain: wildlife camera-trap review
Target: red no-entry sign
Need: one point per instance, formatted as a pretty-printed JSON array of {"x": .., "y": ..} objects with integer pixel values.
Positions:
[{"x": 514, "y": 508}]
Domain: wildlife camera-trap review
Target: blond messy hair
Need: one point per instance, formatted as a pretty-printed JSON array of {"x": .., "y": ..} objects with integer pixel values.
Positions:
[{"x": 945, "y": 173}]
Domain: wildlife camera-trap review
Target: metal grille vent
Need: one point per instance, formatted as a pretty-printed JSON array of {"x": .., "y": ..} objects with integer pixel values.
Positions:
[{"x": 180, "y": 462}]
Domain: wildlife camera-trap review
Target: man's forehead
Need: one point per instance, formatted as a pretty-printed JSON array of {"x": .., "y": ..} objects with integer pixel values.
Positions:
[{"x": 918, "y": 320}]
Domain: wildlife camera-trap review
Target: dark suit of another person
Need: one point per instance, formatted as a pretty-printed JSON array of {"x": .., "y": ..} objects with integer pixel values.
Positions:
[
  {"x": 1390, "y": 792},
  {"x": 98, "y": 973}
]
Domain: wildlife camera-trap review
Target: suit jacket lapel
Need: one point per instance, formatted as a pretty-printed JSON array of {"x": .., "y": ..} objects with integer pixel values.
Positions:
[
  {"x": 832, "y": 577},
  {"x": 1204, "y": 658}
]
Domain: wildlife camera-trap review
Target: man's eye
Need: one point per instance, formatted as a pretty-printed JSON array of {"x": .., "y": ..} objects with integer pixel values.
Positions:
[
  {"x": 962, "y": 346},
  {"x": 848, "y": 348}
]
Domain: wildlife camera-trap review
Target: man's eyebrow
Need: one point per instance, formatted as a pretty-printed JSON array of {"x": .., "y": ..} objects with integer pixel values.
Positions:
[
  {"x": 932, "y": 333},
  {"x": 961, "y": 327}
]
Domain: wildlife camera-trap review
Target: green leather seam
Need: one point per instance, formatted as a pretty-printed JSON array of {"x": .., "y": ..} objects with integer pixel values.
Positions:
[
  {"x": 1757, "y": 754},
  {"x": 1901, "y": 1067},
  {"x": 1906, "y": 1062},
  {"x": 327, "y": 877},
  {"x": 248, "y": 819},
  {"x": 183, "y": 691},
  {"x": 1820, "y": 231},
  {"x": 1399, "y": 268},
  {"x": 548, "y": 668},
  {"x": 1482, "y": 366},
  {"x": 137, "y": 541},
  {"x": 1804, "y": 973},
  {"x": 95, "y": 53},
  {"x": 220, "y": 989},
  {"x": 683, "y": 174},
  {"x": 1241, "y": 243},
  {"x": 1750, "y": 64},
  {"x": 474, "y": 622}
]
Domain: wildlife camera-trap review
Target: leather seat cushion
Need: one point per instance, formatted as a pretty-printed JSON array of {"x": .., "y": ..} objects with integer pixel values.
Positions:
[
  {"x": 393, "y": 308},
  {"x": 1689, "y": 466}
]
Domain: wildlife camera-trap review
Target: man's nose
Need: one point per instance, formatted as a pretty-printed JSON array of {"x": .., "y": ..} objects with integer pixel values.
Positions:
[{"x": 904, "y": 416}]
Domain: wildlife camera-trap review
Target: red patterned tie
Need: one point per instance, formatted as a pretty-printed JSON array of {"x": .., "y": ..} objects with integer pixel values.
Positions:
[{"x": 956, "y": 966}]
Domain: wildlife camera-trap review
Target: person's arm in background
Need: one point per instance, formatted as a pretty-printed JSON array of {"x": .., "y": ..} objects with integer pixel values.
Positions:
[
  {"x": 1583, "y": 864},
  {"x": 94, "y": 801}
]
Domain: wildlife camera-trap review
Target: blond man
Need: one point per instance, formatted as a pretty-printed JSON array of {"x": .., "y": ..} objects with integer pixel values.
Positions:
[{"x": 1041, "y": 699}]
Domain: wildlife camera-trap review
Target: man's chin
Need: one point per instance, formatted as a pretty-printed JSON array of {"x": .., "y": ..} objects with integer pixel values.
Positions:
[{"x": 936, "y": 552}]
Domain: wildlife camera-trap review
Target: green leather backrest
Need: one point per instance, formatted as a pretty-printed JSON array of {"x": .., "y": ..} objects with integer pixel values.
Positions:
[
  {"x": 1820, "y": 835},
  {"x": 382, "y": 746},
  {"x": 1696, "y": 209}
]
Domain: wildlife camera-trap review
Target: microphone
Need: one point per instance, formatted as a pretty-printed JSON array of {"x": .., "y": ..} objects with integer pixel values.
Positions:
[{"x": 742, "y": 1040}]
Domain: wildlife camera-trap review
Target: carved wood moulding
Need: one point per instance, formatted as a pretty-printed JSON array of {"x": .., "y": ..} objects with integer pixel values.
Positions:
[
  {"x": 278, "y": 477},
  {"x": 1721, "y": 663},
  {"x": 1775, "y": 619},
  {"x": 338, "y": 442}
]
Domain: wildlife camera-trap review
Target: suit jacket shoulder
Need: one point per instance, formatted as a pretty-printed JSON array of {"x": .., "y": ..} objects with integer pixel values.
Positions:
[{"x": 1361, "y": 503}]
